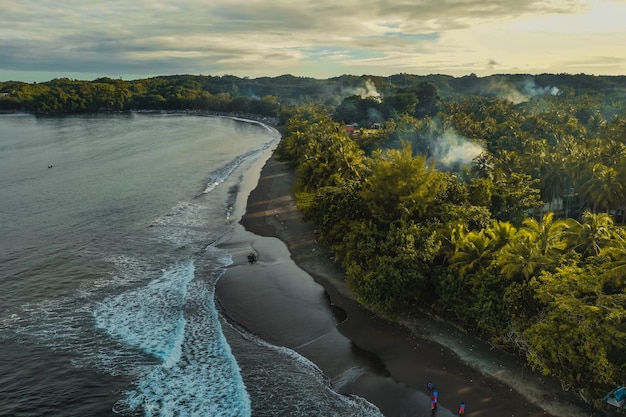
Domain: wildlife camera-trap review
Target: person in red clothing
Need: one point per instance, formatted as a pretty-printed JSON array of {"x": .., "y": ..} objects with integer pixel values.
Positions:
[
  {"x": 433, "y": 407},
  {"x": 462, "y": 409}
]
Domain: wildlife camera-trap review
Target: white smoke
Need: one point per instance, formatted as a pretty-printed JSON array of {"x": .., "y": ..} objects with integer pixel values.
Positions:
[
  {"x": 452, "y": 150},
  {"x": 531, "y": 89},
  {"x": 368, "y": 91},
  {"x": 521, "y": 93}
]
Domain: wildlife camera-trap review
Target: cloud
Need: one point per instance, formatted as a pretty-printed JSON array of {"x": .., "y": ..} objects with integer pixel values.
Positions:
[{"x": 322, "y": 38}]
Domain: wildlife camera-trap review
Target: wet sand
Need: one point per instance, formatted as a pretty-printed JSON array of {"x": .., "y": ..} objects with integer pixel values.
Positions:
[{"x": 294, "y": 296}]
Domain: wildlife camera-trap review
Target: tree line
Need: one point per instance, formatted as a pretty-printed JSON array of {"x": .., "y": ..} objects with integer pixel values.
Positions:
[
  {"x": 525, "y": 245},
  {"x": 106, "y": 94},
  {"x": 266, "y": 95}
]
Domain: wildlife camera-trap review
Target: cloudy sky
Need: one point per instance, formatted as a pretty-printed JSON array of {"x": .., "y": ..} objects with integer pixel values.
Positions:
[{"x": 87, "y": 39}]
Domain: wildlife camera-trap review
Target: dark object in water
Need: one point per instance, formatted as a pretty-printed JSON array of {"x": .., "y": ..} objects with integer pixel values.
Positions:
[{"x": 251, "y": 258}]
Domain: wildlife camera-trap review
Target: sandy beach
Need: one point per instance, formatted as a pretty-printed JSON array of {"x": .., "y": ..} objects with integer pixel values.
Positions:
[{"x": 295, "y": 296}]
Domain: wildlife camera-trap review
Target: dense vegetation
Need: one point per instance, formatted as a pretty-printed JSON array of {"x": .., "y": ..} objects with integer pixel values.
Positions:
[
  {"x": 497, "y": 202},
  {"x": 266, "y": 95},
  {"x": 523, "y": 243}
]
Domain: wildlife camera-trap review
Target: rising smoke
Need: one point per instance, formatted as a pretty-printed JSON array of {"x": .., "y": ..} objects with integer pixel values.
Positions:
[
  {"x": 368, "y": 91},
  {"x": 452, "y": 151},
  {"x": 446, "y": 148},
  {"x": 520, "y": 93}
]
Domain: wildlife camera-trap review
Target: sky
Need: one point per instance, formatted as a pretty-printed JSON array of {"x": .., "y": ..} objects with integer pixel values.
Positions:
[{"x": 132, "y": 39}]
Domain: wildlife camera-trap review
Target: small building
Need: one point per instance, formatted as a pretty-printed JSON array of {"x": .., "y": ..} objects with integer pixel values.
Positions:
[{"x": 351, "y": 128}]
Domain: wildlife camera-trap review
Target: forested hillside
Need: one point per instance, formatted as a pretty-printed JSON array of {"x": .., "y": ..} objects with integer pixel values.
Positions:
[{"x": 266, "y": 95}]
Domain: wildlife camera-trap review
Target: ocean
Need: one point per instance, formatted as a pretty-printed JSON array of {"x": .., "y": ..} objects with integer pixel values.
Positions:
[{"x": 108, "y": 263}]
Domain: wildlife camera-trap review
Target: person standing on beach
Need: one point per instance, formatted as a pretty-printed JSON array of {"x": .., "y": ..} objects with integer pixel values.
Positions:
[{"x": 462, "y": 409}]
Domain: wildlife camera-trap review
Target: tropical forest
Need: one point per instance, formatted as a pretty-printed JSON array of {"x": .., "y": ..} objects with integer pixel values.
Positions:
[{"x": 497, "y": 203}]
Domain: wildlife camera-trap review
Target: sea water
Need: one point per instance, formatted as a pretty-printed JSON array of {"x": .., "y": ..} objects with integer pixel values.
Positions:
[{"x": 108, "y": 267}]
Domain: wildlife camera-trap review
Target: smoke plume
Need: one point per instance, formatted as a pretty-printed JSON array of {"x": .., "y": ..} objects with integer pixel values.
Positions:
[{"x": 452, "y": 151}]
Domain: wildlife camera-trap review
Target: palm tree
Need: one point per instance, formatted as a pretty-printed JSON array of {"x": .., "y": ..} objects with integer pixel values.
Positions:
[
  {"x": 536, "y": 245},
  {"x": 615, "y": 269},
  {"x": 474, "y": 253},
  {"x": 520, "y": 258},
  {"x": 500, "y": 233},
  {"x": 483, "y": 166},
  {"x": 591, "y": 234},
  {"x": 612, "y": 153},
  {"x": 553, "y": 179},
  {"x": 548, "y": 234},
  {"x": 450, "y": 237},
  {"x": 603, "y": 187}
]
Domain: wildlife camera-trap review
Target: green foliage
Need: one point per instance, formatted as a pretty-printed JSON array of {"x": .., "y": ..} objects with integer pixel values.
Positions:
[
  {"x": 391, "y": 271},
  {"x": 592, "y": 234},
  {"x": 400, "y": 186},
  {"x": 355, "y": 109},
  {"x": 581, "y": 337},
  {"x": 334, "y": 209},
  {"x": 513, "y": 196},
  {"x": 477, "y": 245},
  {"x": 474, "y": 253},
  {"x": 105, "y": 94}
]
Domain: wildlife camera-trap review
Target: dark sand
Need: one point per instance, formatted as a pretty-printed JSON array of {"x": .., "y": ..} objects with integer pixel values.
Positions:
[{"x": 294, "y": 296}]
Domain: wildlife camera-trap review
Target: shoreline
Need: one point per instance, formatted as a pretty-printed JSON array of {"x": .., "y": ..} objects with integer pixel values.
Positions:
[{"x": 394, "y": 365}]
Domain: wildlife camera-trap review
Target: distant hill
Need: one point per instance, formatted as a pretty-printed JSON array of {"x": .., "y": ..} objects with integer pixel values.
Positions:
[{"x": 265, "y": 95}]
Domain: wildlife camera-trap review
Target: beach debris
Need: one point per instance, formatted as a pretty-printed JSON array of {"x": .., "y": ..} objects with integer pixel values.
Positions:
[
  {"x": 617, "y": 397},
  {"x": 252, "y": 257},
  {"x": 229, "y": 212}
]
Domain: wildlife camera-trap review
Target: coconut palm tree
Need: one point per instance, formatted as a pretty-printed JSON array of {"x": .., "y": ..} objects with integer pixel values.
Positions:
[
  {"x": 483, "y": 166},
  {"x": 500, "y": 233},
  {"x": 612, "y": 153},
  {"x": 520, "y": 259},
  {"x": 449, "y": 237},
  {"x": 615, "y": 269},
  {"x": 553, "y": 178},
  {"x": 536, "y": 245},
  {"x": 603, "y": 187},
  {"x": 591, "y": 234},
  {"x": 474, "y": 253},
  {"x": 548, "y": 234}
]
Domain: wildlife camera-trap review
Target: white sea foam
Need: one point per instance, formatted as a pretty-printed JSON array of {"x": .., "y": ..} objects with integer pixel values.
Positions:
[
  {"x": 348, "y": 377},
  {"x": 205, "y": 381},
  {"x": 150, "y": 318},
  {"x": 223, "y": 173},
  {"x": 294, "y": 375}
]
